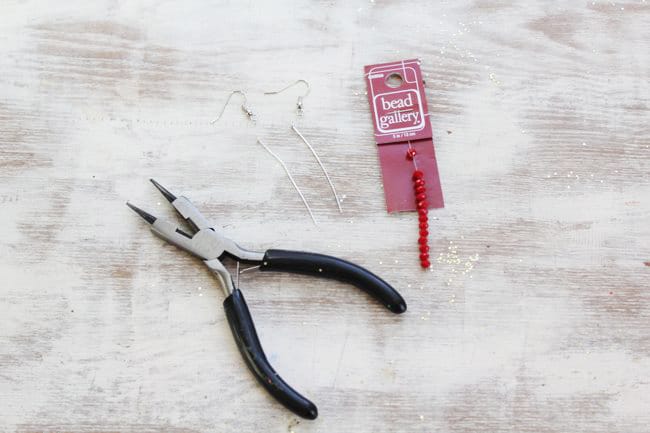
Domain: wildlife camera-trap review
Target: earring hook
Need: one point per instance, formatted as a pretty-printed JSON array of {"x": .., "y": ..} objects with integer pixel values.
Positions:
[
  {"x": 299, "y": 104},
  {"x": 244, "y": 106}
]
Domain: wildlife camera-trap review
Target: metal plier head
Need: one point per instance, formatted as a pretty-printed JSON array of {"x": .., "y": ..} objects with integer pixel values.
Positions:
[{"x": 206, "y": 242}]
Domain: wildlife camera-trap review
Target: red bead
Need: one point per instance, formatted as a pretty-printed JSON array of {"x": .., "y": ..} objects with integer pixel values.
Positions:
[
  {"x": 423, "y": 212},
  {"x": 425, "y": 263},
  {"x": 422, "y": 204},
  {"x": 420, "y": 182},
  {"x": 424, "y": 248},
  {"x": 420, "y": 197},
  {"x": 417, "y": 174},
  {"x": 410, "y": 154},
  {"x": 423, "y": 218},
  {"x": 420, "y": 189},
  {"x": 424, "y": 225},
  {"x": 422, "y": 240},
  {"x": 424, "y": 256},
  {"x": 424, "y": 232}
]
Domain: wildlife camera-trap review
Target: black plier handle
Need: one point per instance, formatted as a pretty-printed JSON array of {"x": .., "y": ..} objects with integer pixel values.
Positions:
[{"x": 319, "y": 265}]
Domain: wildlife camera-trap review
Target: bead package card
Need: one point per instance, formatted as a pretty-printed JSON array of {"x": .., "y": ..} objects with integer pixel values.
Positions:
[
  {"x": 403, "y": 134},
  {"x": 404, "y": 139}
]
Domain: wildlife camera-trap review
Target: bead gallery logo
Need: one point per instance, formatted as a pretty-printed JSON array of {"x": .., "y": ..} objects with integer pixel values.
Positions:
[
  {"x": 399, "y": 111},
  {"x": 396, "y": 98}
]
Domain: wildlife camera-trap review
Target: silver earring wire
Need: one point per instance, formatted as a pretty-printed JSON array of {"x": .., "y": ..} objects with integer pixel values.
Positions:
[
  {"x": 320, "y": 163},
  {"x": 299, "y": 102},
  {"x": 244, "y": 106},
  {"x": 293, "y": 182}
]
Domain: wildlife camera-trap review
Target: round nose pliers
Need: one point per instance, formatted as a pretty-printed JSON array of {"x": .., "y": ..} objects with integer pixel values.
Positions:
[{"x": 211, "y": 245}]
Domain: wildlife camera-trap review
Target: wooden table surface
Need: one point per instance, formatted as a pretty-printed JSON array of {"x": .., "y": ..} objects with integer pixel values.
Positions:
[{"x": 535, "y": 316}]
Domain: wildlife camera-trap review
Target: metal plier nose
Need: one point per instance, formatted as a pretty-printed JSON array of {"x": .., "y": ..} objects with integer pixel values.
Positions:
[{"x": 211, "y": 245}]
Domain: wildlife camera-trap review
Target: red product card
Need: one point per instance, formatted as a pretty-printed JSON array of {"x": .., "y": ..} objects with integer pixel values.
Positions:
[{"x": 400, "y": 117}]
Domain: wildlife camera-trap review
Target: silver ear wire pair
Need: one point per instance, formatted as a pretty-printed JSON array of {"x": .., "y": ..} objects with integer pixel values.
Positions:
[
  {"x": 249, "y": 112},
  {"x": 299, "y": 110}
]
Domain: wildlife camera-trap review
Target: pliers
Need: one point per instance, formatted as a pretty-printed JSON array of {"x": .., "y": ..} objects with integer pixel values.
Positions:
[{"x": 211, "y": 245}]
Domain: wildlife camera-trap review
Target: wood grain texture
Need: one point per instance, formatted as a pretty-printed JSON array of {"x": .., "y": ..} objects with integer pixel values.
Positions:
[{"x": 534, "y": 318}]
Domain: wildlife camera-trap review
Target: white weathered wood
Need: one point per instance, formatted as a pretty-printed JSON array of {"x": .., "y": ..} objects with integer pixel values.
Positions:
[{"x": 536, "y": 318}]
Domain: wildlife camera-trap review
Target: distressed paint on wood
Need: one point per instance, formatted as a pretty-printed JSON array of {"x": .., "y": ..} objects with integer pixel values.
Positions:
[{"x": 534, "y": 318}]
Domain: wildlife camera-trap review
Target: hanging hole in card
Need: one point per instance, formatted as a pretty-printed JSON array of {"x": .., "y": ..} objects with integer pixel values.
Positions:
[{"x": 394, "y": 81}]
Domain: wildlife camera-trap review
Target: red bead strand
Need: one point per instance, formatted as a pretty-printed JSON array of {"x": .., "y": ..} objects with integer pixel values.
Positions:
[{"x": 422, "y": 205}]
